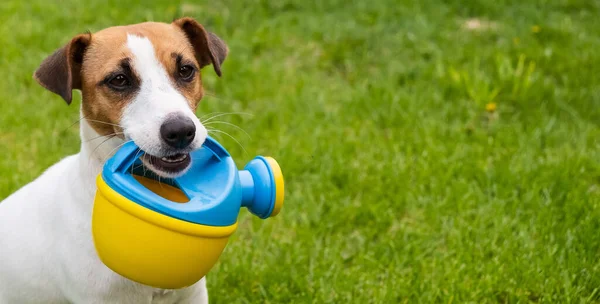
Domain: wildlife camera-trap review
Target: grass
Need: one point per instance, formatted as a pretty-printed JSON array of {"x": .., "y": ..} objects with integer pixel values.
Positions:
[{"x": 401, "y": 186}]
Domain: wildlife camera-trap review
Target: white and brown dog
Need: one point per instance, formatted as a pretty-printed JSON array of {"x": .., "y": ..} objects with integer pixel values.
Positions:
[{"x": 139, "y": 82}]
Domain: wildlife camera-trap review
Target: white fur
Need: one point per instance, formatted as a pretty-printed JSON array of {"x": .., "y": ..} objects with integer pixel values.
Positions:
[
  {"x": 156, "y": 100},
  {"x": 47, "y": 253}
]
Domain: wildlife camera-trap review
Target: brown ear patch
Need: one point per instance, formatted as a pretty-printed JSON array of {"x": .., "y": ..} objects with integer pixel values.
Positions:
[
  {"x": 60, "y": 72},
  {"x": 208, "y": 47}
]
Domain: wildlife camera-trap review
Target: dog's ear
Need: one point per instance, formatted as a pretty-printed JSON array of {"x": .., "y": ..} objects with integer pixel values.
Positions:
[
  {"x": 60, "y": 73},
  {"x": 208, "y": 47}
]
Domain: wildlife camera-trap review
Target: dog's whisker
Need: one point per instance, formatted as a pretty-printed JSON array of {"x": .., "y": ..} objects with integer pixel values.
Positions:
[
  {"x": 111, "y": 134},
  {"x": 136, "y": 167},
  {"x": 142, "y": 150},
  {"x": 82, "y": 117},
  {"x": 104, "y": 141},
  {"x": 208, "y": 114},
  {"x": 144, "y": 167},
  {"x": 213, "y": 95},
  {"x": 229, "y": 124},
  {"x": 136, "y": 156},
  {"x": 159, "y": 183},
  {"x": 109, "y": 155},
  {"x": 223, "y": 132},
  {"x": 223, "y": 114},
  {"x": 104, "y": 122},
  {"x": 213, "y": 114},
  {"x": 98, "y": 146}
]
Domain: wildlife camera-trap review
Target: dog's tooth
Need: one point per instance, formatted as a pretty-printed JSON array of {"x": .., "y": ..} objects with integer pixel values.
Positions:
[{"x": 174, "y": 159}]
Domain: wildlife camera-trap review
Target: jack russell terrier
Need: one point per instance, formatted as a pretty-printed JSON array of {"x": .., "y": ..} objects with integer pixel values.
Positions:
[{"x": 138, "y": 82}]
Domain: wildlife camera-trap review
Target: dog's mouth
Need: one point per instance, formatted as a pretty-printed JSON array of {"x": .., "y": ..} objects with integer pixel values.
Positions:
[{"x": 168, "y": 166}]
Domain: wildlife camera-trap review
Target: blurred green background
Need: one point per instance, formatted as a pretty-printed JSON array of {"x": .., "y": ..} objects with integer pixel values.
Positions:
[{"x": 434, "y": 151}]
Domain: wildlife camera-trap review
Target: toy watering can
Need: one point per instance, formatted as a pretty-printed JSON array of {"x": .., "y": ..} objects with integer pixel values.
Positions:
[{"x": 169, "y": 234}]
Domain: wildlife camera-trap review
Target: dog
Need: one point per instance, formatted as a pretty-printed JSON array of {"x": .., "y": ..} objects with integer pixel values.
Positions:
[{"x": 139, "y": 83}]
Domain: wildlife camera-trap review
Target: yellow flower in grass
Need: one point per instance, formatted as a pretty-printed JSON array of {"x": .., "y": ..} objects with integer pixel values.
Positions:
[
  {"x": 536, "y": 29},
  {"x": 491, "y": 107}
]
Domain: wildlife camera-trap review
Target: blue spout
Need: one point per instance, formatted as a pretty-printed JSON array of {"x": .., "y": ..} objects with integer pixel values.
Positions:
[
  {"x": 259, "y": 187},
  {"x": 247, "y": 183}
]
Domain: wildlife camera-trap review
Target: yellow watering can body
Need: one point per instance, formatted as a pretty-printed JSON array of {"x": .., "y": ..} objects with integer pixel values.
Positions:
[{"x": 170, "y": 234}]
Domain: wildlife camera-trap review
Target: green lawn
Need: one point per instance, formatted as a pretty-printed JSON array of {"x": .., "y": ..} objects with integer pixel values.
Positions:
[{"x": 400, "y": 185}]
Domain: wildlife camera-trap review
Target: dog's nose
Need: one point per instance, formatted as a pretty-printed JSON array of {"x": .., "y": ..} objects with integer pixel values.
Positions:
[{"x": 178, "y": 132}]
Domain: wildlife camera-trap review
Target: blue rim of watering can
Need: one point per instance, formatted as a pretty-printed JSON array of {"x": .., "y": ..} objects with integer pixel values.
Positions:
[{"x": 213, "y": 201}]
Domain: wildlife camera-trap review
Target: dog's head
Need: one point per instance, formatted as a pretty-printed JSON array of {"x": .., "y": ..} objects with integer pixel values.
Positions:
[{"x": 140, "y": 82}]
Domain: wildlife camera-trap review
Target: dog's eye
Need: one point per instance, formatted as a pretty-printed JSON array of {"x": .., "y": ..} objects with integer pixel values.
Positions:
[
  {"x": 119, "y": 82},
  {"x": 186, "y": 72}
]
